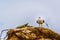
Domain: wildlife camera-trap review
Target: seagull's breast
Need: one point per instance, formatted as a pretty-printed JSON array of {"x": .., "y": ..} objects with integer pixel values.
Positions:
[{"x": 40, "y": 21}]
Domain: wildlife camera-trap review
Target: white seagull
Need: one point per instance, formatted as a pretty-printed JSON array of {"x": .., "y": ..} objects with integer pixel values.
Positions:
[{"x": 40, "y": 21}]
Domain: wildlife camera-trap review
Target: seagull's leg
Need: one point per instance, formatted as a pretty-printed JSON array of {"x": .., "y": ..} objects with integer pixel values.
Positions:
[{"x": 39, "y": 25}]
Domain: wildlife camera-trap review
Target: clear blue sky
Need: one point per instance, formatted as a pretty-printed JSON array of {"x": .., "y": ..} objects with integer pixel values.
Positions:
[{"x": 17, "y": 12}]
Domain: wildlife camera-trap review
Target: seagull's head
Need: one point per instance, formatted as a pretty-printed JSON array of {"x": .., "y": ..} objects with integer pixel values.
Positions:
[{"x": 40, "y": 17}]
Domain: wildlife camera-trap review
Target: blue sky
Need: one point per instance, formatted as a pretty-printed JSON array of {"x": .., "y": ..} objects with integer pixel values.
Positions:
[{"x": 17, "y": 12}]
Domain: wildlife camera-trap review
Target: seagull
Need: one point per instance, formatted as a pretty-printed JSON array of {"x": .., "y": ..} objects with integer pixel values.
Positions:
[{"x": 40, "y": 21}]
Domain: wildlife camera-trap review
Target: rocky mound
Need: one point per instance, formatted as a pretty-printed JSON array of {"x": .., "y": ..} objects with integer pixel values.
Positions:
[{"x": 32, "y": 33}]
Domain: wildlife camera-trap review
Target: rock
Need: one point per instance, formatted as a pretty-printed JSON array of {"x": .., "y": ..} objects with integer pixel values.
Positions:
[{"x": 32, "y": 33}]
